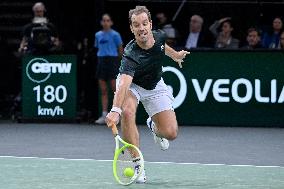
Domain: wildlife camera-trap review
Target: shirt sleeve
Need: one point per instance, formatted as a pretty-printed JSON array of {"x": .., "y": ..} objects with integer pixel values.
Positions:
[
  {"x": 214, "y": 28},
  {"x": 117, "y": 40},
  {"x": 128, "y": 66}
]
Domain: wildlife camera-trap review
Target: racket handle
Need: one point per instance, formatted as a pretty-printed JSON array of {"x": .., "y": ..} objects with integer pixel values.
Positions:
[{"x": 114, "y": 129}]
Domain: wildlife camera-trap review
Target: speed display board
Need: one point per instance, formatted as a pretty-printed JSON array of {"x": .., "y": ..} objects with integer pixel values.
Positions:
[{"x": 49, "y": 87}]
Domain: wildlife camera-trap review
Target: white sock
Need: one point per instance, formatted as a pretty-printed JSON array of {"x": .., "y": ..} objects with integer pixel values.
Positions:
[
  {"x": 153, "y": 127},
  {"x": 137, "y": 161}
]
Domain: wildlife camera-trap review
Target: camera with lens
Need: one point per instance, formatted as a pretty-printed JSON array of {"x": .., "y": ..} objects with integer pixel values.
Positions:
[{"x": 41, "y": 34}]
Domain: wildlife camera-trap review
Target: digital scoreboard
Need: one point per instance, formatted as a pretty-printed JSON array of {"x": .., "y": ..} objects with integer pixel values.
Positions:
[{"x": 49, "y": 87}]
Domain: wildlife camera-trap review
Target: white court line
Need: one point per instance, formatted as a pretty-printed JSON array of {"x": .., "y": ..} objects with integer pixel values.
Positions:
[{"x": 206, "y": 164}]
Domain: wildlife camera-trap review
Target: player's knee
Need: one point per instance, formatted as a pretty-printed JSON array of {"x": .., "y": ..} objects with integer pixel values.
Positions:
[
  {"x": 128, "y": 113},
  {"x": 172, "y": 133}
]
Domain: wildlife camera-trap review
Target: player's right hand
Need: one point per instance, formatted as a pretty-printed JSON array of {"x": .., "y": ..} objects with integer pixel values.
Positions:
[{"x": 112, "y": 118}]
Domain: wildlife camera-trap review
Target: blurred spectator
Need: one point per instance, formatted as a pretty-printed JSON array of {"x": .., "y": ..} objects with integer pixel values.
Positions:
[
  {"x": 109, "y": 45},
  {"x": 253, "y": 39},
  {"x": 40, "y": 36},
  {"x": 85, "y": 77},
  {"x": 282, "y": 40},
  {"x": 195, "y": 37},
  {"x": 224, "y": 38},
  {"x": 167, "y": 27},
  {"x": 271, "y": 38}
]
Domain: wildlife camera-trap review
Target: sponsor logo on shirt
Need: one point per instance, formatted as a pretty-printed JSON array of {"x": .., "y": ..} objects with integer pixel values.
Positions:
[{"x": 162, "y": 47}]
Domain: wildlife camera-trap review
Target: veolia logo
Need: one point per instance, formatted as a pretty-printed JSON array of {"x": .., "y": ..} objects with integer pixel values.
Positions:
[
  {"x": 39, "y": 70},
  {"x": 224, "y": 90},
  {"x": 179, "y": 99}
]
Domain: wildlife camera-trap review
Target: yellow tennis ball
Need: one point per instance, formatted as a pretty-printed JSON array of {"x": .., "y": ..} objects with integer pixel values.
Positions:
[{"x": 128, "y": 172}]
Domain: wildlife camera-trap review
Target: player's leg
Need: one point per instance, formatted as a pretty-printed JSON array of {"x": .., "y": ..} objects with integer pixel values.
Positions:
[
  {"x": 164, "y": 127},
  {"x": 166, "y": 124},
  {"x": 128, "y": 119},
  {"x": 130, "y": 131},
  {"x": 162, "y": 119},
  {"x": 104, "y": 100}
]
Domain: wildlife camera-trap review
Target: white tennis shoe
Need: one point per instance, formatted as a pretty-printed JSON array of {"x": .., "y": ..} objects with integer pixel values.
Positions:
[
  {"x": 142, "y": 178},
  {"x": 162, "y": 142},
  {"x": 101, "y": 120}
]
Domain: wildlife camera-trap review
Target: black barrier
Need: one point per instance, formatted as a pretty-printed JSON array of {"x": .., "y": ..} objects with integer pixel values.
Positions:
[{"x": 229, "y": 88}]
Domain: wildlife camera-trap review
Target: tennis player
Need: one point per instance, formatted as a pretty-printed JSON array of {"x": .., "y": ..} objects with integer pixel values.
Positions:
[{"x": 140, "y": 79}]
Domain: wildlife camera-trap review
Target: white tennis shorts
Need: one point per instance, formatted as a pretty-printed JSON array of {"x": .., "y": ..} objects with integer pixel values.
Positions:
[{"x": 154, "y": 101}]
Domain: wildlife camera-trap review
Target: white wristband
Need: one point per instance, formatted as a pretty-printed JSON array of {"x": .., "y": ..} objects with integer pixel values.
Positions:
[{"x": 117, "y": 110}]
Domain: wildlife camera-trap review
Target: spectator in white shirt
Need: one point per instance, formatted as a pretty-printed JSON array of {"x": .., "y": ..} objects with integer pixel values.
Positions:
[{"x": 194, "y": 38}]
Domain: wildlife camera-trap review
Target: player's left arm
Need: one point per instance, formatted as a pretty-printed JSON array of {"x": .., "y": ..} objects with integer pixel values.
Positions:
[{"x": 177, "y": 56}]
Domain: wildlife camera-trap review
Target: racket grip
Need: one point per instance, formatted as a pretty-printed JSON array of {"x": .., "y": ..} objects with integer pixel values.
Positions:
[{"x": 114, "y": 129}]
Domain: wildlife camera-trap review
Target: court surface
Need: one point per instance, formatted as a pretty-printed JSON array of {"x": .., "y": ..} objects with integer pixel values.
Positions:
[{"x": 60, "y": 156}]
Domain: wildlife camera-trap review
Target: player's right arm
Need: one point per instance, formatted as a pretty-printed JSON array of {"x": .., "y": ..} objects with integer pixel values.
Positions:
[
  {"x": 118, "y": 99},
  {"x": 121, "y": 91},
  {"x": 127, "y": 71}
]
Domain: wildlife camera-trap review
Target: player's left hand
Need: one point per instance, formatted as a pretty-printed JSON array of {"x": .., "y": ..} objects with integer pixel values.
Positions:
[{"x": 180, "y": 56}]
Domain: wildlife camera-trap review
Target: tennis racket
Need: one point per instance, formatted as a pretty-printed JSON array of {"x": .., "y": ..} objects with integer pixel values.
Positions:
[{"x": 128, "y": 161}]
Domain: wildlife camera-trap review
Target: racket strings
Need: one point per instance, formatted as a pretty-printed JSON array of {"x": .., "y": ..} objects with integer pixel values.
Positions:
[{"x": 126, "y": 159}]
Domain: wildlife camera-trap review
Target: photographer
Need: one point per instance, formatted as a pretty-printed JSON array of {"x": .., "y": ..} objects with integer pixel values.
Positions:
[{"x": 39, "y": 36}]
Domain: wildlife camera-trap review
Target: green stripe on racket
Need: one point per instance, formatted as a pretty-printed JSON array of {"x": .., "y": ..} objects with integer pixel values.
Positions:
[{"x": 128, "y": 161}]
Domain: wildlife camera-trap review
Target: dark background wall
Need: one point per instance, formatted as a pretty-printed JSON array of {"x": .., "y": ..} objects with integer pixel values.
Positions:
[
  {"x": 244, "y": 14},
  {"x": 76, "y": 20}
]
